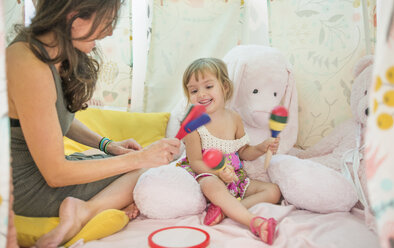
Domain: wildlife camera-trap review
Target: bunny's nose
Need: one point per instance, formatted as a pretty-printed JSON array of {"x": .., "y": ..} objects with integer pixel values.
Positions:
[{"x": 366, "y": 111}]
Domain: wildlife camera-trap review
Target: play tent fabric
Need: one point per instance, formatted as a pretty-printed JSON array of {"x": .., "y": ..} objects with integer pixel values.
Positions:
[
  {"x": 323, "y": 40},
  {"x": 13, "y": 13},
  {"x": 114, "y": 82},
  {"x": 182, "y": 31},
  {"x": 380, "y": 131},
  {"x": 4, "y": 138}
]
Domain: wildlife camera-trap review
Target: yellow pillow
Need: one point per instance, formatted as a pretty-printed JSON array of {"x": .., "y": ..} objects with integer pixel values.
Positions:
[
  {"x": 145, "y": 128},
  {"x": 107, "y": 222},
  {"x": 30, "y": 229}
]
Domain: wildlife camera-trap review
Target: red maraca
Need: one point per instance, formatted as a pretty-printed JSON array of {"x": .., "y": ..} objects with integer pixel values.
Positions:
[
  {"x": 277, "y": 123},
  {"x": 215, "y": 160}
]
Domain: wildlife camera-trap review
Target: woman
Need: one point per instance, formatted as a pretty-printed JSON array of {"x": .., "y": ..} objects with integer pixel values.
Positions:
[{"x": 50, "y": 77}]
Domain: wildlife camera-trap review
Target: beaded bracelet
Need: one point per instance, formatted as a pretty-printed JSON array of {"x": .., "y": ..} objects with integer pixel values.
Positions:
[
  {"x": 105, "y": 146},
  {"x": 101, "y": 143}
]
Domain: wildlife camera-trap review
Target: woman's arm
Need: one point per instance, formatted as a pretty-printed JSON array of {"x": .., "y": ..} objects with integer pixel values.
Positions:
[
  {"x": 32, "y": 94},
  {"x": 80, "y": 133}
]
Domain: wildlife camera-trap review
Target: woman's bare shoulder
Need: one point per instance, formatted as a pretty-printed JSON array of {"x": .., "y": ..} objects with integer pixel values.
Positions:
[
  {"x": 20, "y": 57},
  {"x": 27, "y": 76}
]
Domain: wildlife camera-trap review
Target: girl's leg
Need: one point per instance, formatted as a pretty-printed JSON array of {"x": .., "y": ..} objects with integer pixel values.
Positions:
[
  {"x": 75, "y": 213},
  {"x": 217, "y": 193},
  {"x": 261, "y": 192},
  {"x": 215, "y": 190}
]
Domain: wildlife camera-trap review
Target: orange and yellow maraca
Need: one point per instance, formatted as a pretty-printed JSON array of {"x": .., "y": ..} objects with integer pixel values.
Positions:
[{"x": 277, "y": 123}]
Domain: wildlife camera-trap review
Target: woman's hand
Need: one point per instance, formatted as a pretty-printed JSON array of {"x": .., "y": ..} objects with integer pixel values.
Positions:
[
  {"x": 271, "y": 143},
  {"x": 160, "y": 152},
  {"x": 122, "y": 147}
]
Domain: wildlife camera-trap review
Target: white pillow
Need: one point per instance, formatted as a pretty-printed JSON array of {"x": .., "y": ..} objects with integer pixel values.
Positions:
[
  {"x": 168, "y": 192},
  {"x": 310, "y": 185}
]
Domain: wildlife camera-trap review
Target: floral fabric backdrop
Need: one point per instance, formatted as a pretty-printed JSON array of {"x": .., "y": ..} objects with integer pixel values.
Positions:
[
  {"x": 380, "y": 130},
  {"x": 113, "y": 88},
  {"x": 13, "y": 14},
  {"x": 4, "y": 137},
  {"x": 184, "y": 30},
  {"x": 323, "y": 40}
]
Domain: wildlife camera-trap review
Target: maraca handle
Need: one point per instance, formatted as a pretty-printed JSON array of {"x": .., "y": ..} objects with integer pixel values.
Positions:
[
  {"x": 224, "y": 167},
  {"x": 235, "y": 177},
  {"x": 268, "y": 156}
]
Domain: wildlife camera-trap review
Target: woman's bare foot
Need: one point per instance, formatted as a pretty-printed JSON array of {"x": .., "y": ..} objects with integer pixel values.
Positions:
[
  {"x": 74, "y": 214},
  {"x": 132, "y": 211}
]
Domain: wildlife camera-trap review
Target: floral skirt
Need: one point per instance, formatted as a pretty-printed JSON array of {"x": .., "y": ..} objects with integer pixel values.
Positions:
[{"x": 237, "y": 189}]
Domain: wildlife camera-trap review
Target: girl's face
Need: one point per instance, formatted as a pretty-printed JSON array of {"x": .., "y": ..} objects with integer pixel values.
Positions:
[
  {"x": 207, "y": 91},
  {"x": 81, "y": 27}
]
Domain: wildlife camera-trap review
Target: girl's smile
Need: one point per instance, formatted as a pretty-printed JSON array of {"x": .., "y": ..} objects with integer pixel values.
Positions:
[{"x": 205, "y": 89}]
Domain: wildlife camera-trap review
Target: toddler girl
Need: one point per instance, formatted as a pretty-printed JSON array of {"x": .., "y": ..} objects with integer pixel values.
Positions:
[{"x": 206, "y": 82}]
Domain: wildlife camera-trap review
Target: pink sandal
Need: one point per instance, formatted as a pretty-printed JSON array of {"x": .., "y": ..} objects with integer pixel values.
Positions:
[
  {"x": 270, "y": 228},
  {"x": 213, "y": 212}
]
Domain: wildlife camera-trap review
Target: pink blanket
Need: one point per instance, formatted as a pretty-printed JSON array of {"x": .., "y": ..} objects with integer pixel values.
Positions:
[{"x": 296, "y": 228}]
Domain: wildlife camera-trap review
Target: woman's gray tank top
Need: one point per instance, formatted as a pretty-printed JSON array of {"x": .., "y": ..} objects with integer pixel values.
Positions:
[{"x": 25, "y": 172}]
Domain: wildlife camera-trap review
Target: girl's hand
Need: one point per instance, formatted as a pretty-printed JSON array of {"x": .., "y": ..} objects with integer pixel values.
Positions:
[
  {"x": 160, "y": 152},
  {"x": 227, "y": 175},
  {"x": 122, "y": 147},
  {"x": 271, "y": 143}
]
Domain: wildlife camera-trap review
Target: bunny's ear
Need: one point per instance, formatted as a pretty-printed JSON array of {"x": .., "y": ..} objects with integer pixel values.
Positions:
[
  {"x": 236, "y": 68},
  {"x": 290, "y": 101},
  {"x": 363, "y": 63},
  {"x": 236, "y": 76}
]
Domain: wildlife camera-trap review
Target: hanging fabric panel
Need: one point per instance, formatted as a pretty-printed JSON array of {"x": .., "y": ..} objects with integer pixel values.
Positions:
[
  {"x": 254, "y": 22},
  {"x": 13, "y": 14},
  {"x": 183, "y": 31},
  {"x": 142, "y": 30},
  {"x": 114, "y": 82},
  {"x": 380, "y": 129},
  {"x": 323, "y": 40}
]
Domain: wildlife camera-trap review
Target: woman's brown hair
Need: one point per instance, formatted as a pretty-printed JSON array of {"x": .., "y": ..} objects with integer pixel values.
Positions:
[{"x": 78, "y": 70}]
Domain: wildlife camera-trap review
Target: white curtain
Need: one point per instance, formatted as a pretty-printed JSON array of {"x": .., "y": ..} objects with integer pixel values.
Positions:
[
  {"x": 4, "y": 137},
  {"x": 142, "y": 23},
  {"x": 255, "y": 25}
]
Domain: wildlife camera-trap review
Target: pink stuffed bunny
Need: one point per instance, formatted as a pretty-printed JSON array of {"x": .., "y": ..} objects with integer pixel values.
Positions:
[
  {"x": 347, "y": 138},
  {"x": 342, "y": 150},
  {"x": 262, "y": 80}
]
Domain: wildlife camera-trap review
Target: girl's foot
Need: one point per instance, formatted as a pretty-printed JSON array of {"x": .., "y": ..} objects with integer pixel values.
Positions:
[
  {"x": 214, "y": 215},
  {"x": 73, "y": 214},
  {"x": 263, "y": 228}
]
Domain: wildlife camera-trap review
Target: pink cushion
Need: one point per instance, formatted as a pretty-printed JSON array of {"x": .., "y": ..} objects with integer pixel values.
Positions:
[{"x": 310, "y": 185}]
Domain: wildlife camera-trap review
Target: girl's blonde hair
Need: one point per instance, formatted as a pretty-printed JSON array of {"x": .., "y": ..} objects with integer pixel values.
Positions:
[{"x": 213, "y": 65}]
